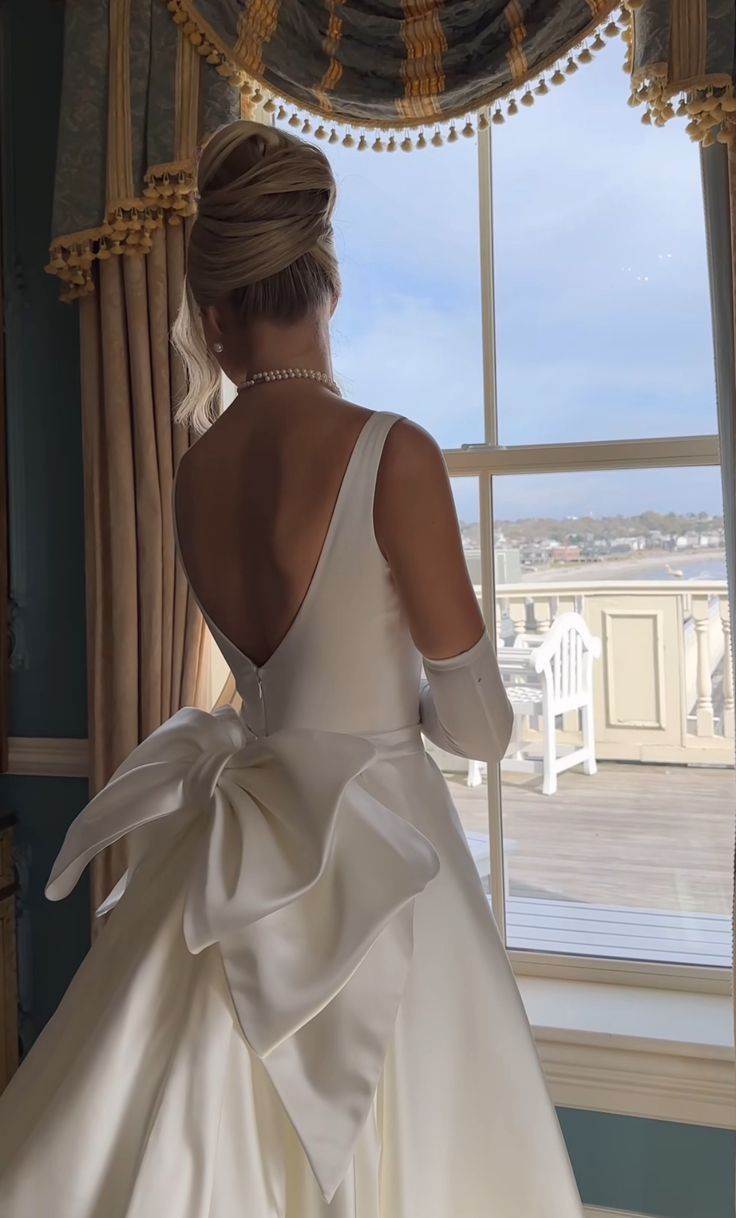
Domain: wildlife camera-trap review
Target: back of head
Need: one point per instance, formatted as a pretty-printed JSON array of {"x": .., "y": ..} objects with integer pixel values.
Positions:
[{"x": 262, "y": 242}]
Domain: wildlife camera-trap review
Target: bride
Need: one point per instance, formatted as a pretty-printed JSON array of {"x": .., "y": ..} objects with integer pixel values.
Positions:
[{"x": 300, "y": 1006}]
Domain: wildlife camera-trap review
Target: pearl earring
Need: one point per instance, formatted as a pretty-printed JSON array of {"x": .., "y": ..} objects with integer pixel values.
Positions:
[{"x": 218, "y": 348}]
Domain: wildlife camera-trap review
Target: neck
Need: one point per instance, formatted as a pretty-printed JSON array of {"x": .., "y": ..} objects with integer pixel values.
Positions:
[{"x": 304, "y": 346}]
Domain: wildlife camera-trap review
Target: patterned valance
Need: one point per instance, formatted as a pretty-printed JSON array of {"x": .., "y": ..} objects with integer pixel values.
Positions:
[
  {"x": 144, "y": 83},
  {"x": 397, "y": 65},
  {"x": 683, "y": 63}
]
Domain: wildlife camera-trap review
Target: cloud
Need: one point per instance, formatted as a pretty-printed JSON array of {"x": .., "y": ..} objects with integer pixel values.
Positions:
[{"x": 602, "y": 302}]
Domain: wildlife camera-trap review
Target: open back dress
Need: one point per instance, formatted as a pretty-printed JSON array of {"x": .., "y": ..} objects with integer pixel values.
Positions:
[{"x": 300, "y": 1006}]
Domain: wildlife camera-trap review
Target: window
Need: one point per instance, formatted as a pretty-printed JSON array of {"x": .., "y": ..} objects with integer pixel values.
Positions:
[{"x": 538, "y": 299}]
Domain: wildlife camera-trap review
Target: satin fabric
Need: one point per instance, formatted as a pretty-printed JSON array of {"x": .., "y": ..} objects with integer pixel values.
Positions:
[
  {"x": 285, "y": 834},
  {"x": 300, "y": 1006}
]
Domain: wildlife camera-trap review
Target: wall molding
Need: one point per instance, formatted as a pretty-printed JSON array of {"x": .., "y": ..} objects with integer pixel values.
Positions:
[
  {"x": 660, "y": 1054},
  {"x": 48, "y": 756},
  {"x": 695, "y": 1087}
]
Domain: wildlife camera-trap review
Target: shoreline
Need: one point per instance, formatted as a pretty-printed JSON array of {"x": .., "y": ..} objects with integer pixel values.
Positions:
[{"x": 628, "y": 567}]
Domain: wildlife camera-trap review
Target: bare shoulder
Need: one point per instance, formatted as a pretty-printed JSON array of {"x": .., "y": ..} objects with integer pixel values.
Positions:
[
  {"x": 411, "y": 449},
  {"x": 412, "y": 467},
  {"x": 418, "y": 532},
  {"x": 412, "y": 487}
]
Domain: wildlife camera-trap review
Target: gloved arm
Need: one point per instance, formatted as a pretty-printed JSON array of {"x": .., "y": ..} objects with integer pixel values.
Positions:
[{"x": 464, "y": 707}]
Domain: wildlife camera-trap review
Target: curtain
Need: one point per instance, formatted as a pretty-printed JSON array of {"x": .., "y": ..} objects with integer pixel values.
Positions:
[
  {"x": 399, "y": 64},
  {"x": 683, "y": 63},
  {"x": 137, "y": 99},
  {"x": 147, "y": 645},
  {"x": 145, "y": 81}
]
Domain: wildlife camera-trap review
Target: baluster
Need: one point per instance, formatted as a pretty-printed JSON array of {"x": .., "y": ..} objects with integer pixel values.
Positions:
[
  {"x": 704, "y": 718},
  {"x": 728, "y": 691},
  {"x": 543, "y": 613}
]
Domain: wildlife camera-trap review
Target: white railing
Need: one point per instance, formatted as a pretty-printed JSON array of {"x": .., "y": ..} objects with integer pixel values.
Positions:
[{"x": 663, "y": 686}]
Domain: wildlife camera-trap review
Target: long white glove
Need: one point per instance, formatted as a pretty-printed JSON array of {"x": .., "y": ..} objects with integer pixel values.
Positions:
[{"x": 463, "y": 705}]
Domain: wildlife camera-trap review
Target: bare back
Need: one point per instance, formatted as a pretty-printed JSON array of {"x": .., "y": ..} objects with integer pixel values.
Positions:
[{"x": 254, "y": 501}]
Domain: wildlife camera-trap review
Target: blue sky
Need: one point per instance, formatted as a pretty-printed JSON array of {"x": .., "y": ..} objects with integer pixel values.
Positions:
[{"x": 603, "y": 325}]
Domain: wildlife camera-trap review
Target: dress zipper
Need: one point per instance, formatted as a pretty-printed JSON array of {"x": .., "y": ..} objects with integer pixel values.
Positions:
[{"x": 260, "y": 697}]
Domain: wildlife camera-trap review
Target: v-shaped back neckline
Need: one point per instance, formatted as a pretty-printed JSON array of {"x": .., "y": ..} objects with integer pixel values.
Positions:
[{"x": 316, "y": 573}]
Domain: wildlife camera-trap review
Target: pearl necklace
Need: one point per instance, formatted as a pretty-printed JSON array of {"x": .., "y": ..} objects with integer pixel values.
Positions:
[{"x": 291, "y": 374}]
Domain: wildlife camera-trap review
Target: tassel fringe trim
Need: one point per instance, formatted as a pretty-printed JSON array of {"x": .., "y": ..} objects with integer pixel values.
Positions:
[
  {"x": 710, "y": 109},
  {"x": 168, "y": 197},
  {"x": 709, "y": 104},
  {"x": 169, "y": 194},
  {"x": 412, "y": 133}
]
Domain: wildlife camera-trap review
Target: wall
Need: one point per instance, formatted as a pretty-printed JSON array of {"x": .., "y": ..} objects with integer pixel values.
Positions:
[
  {"x": 675, "y": 1171},
  {"x": 651, "y": 1167},
  {"x": 47, "y": 683}
]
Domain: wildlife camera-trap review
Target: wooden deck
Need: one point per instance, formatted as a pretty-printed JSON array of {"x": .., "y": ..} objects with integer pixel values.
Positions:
[{"x": 634, "y": 862}]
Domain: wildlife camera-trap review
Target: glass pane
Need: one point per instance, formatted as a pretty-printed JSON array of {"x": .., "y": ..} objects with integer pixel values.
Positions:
[
  {"x": 407, "y": 334},
  {"x": 615, "y": 645},
  {"x": 602, "y": 300},
  {"x": 468, "y": 793}
]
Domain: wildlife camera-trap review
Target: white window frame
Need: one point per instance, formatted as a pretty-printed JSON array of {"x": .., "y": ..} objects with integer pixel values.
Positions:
[{"x": 488, "y": 461}]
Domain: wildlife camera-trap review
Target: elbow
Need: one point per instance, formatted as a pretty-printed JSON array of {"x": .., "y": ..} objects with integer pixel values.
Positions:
[
  {"x": 505, "y": 728},
  {"x": 491, "y": 746},
  {"x": 489, "y": 739}
]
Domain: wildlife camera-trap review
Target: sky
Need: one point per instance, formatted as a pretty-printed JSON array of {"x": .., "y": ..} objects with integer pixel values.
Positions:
[{"x": 602, "y": 301}]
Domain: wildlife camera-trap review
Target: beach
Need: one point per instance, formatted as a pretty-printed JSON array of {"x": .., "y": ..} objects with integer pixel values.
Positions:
[{"x": 649, "y": 564}]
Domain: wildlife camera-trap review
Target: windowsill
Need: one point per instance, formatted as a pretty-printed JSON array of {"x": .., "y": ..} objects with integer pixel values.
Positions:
[{"x": 654, "y": 1053}]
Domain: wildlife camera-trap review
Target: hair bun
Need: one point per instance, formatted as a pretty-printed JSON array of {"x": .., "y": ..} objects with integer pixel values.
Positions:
[
  {"x": 265, "y": 199},
  {"x": 262, "y": 242}
]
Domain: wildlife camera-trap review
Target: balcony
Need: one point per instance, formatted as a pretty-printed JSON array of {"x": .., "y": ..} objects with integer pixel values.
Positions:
[{"x": 634, "y": 862}]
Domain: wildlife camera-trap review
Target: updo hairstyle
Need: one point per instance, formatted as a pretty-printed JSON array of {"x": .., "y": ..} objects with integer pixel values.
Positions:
[{"x": 262, "y": 240}]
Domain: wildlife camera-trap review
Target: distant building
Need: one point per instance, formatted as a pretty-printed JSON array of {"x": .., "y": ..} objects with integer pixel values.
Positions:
[
  {"x": 628, "y": 545},
  {"x": 565, "y": 554},
  {"x": 711, "y": 540},
  {"x": 534, "y": 554}
]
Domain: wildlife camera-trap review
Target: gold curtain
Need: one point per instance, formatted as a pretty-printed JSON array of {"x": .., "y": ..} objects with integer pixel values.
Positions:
[
  {"x": 682, "y": 57},
  {"x": 147, "y": 652},
  {"x": 137, "y": 98}
]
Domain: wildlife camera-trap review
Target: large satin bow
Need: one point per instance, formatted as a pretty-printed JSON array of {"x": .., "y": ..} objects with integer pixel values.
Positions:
[{"x": 304, "y": 881}]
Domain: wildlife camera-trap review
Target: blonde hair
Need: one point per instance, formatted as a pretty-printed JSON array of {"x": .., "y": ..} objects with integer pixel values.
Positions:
[{"x": 262, "y": 239}]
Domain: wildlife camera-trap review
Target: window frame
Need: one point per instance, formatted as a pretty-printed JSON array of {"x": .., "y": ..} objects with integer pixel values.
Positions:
[{"x": 488, "y": 461}]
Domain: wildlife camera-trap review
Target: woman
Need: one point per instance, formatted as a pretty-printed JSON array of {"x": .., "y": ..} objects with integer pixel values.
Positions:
[{"x": 300, "y": 1006}]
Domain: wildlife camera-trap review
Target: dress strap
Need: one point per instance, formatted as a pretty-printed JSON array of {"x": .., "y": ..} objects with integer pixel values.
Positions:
[{"x": 360, "y": 497}]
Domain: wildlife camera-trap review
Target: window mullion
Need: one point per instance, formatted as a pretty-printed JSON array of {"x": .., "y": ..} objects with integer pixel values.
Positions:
[
  {"x": 487, "y": 291},
  {"x": 490, "y": 414}
]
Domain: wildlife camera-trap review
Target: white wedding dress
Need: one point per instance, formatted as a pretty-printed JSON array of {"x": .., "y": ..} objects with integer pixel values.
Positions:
[{"x": 300, "y": 1006}]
